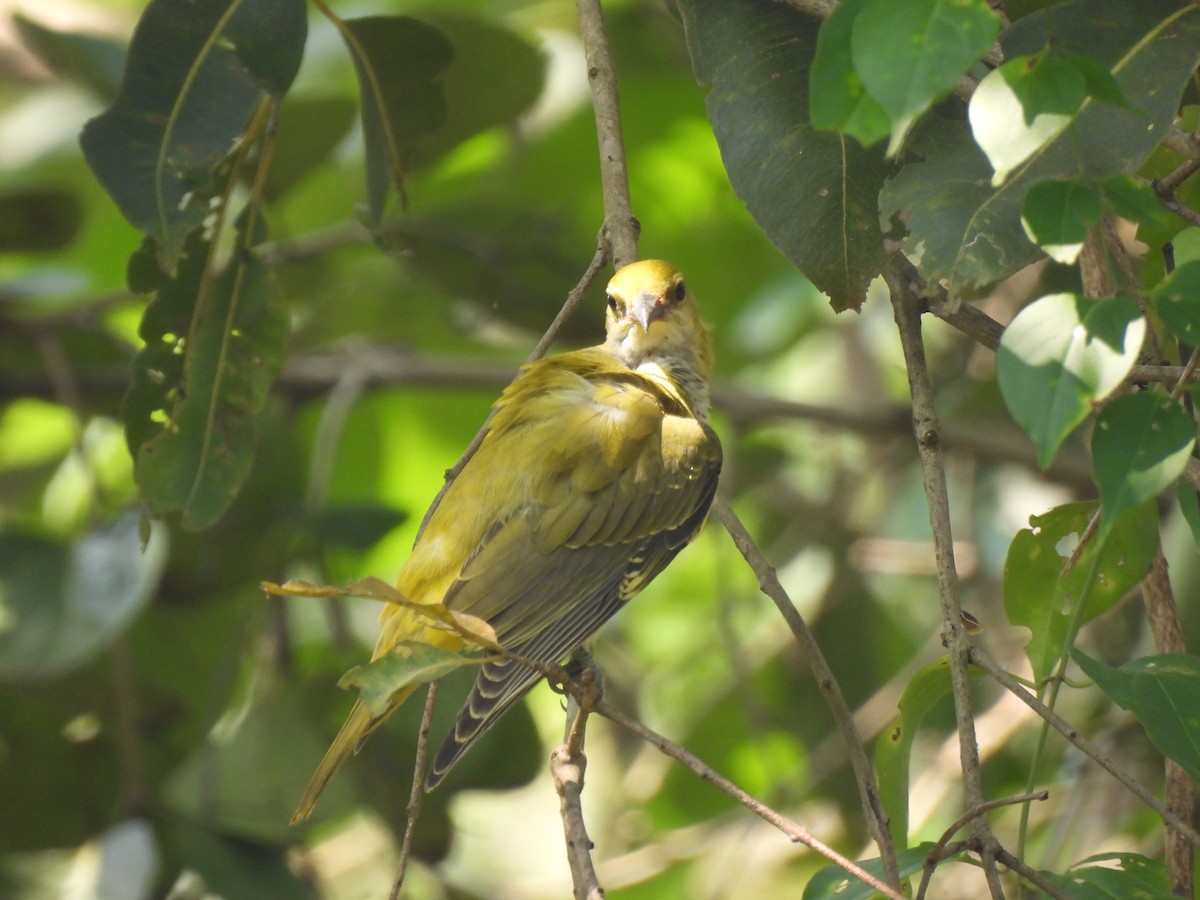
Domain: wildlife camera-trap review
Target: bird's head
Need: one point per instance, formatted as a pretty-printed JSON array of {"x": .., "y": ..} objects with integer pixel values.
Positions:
[{"x": 652, "y": 317}]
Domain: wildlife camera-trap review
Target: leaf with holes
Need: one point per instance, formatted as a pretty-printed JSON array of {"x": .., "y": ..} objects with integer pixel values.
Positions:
[{"x": 1041, "y": 597}]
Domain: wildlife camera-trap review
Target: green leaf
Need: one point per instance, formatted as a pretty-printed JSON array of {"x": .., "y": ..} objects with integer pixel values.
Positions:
[
  {"x": 1021, "y": 106},
  {"x": 38, "y": 219},
  {"x": 1139, "y": 447},
  {"x": 911, "y": 54},
  {"x": 399, "y": 61},
  {"x": 1057, "y": 216},
  {"x": 1164, "y": 693},
  {"x": 196, "y": 71},
  {"x": 213, "y": 346},
  {"x": 893, "y": 748},
  {"x": 1133, "y": 199},
  {"x": 754, "y": 56},
  {"x": 832, "y": 883},
  {"x": 1101, "y": 85},
  {"x": 968, "y": 231},
  {"x": 309, "y": 130},
  {"x": 1115, "y": 876},
  {"x": 493, "y": 78},
  {"x": 837, "y": 99},
  {"x": 1061, "y": 354},
  {"x": 62, "y": 605},
  {"x": 89, "y": 60},
  {"x": 1039, "y": 596},
  {"x": 410, "y": 664},
  {"x": 1189, "y": 507},
  {"x": 1177, "y": 302},
  {"x": 357, "y": 526}
]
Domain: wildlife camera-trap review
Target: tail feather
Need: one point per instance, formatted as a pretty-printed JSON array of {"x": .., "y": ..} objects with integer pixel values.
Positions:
[{"x": 358, "y": 725}]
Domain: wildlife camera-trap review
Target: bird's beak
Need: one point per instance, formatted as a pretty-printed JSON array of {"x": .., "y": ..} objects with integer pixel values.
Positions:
[{"x": 645, "y": 308}]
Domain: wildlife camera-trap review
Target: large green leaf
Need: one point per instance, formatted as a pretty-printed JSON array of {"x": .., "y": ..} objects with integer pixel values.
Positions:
[
  {"x": 969, "y": 231},
  {"x": 1060, "y": 355},
  {"x": 213, "y": 345},
  {"x": 1044, "y": 599},
  {"x": 64, "y": 604},
  {"x": 196, "y": 71},
  {"x": 837, "y": 98},
  {"x": 399, "y": 62},
  {"x": 1057, "y": 215},
  {"x": 832, "y": 883},
  {"x": 1140, "y": 446},
  {"x": 1177, "y": 301},
  {"x": 813, "y": 193},
  {"x": 1164, "y": 693}
]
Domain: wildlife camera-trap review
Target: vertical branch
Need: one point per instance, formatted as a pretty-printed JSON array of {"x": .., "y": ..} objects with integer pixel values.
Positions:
[
  {"x": 620, "y": 226},
  {"x": 926, "y": 428},
  {"x": 1179, "y": 790}
]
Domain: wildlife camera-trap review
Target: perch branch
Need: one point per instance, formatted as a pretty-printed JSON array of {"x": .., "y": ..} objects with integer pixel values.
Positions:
[
  {"x": 864, "y": 774},
  {"x": 905, "y": 303},
  {"x": 418, "y": 789},
  {"x": 568, "y": 764}
]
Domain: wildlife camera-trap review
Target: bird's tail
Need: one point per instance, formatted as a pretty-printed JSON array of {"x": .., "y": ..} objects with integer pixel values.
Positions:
[{"x": 358, "y": 725}]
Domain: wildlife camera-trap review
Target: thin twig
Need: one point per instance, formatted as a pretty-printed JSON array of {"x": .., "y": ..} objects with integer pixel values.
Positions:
[
  {"x": 418, "y": 789},
  {"x": 620, "y": 226},
  {"x": 864, "y": 774},
  {"x": 906, "y": 304},
  {"x": 1033, "y": 876},
  {"x": 938, "y": 852},
  {"x": 703, "y": 771},
  {"x": 1063, "y": 727}
]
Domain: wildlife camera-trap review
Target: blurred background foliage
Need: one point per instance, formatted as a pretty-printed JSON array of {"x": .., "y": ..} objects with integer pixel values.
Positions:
[{"x": 159, "y": 718}]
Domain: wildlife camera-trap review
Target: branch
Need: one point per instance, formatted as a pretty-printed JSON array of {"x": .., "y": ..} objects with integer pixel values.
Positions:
[
  {"x": 1063, "y": 727},
  {"x": 620, "y": 226},
  {"x": 864, "y": 774},
  {"x": 568, "y": 763},
  {"x": 418, "y": 789},
  {"x": 794, "y": 831},
  {"x": 907, "y": 307}
]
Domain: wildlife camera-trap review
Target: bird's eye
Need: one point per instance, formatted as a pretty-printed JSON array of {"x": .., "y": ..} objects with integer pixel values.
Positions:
[
  {"x": 680, "y": 291},
  {"x": 612, "y": 302}
]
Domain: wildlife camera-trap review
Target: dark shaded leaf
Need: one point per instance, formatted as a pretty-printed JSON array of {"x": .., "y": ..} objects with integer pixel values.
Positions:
[
  {"x": 832, "y": 883},
  {"x": 1057, "y": 216},
  {"x": 213, "y": 348},
  {"x": 1115, "y": 876},
  {"x": 813, "y": 193},
  {"x": 196, "y": 71},
  {"x": 38, "y": 220},
  {"x": 399, "y": 61},
  {"x": 357, "y": 526}
]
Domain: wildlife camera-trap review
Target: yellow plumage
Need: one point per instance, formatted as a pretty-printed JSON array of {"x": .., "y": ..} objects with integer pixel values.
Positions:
[{"x": 598, "y": 467}]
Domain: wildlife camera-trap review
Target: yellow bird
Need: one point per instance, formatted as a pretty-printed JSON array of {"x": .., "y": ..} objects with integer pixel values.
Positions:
[{"x": 598, "y": 467}]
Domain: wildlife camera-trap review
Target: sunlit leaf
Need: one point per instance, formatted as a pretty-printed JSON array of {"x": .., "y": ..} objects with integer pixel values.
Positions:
[
  {"x": 1044, "y": 599},
  {"x": 754, "y": 57},
  {"x": 968, "y": 232},
  {"x": 1164, "y": 693},
  {"x": 409, "y": 665},
  {"x": 1060, "y": 355},
  {"x": 1139, "y": 447},
  {"x": 1057, "y": 216},
  {"x": 911, "y": 54},
  {"x": 196, "y": 71}
]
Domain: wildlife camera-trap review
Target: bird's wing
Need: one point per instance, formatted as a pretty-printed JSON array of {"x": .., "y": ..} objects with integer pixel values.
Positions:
[{"x": 625, "y": 480}]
